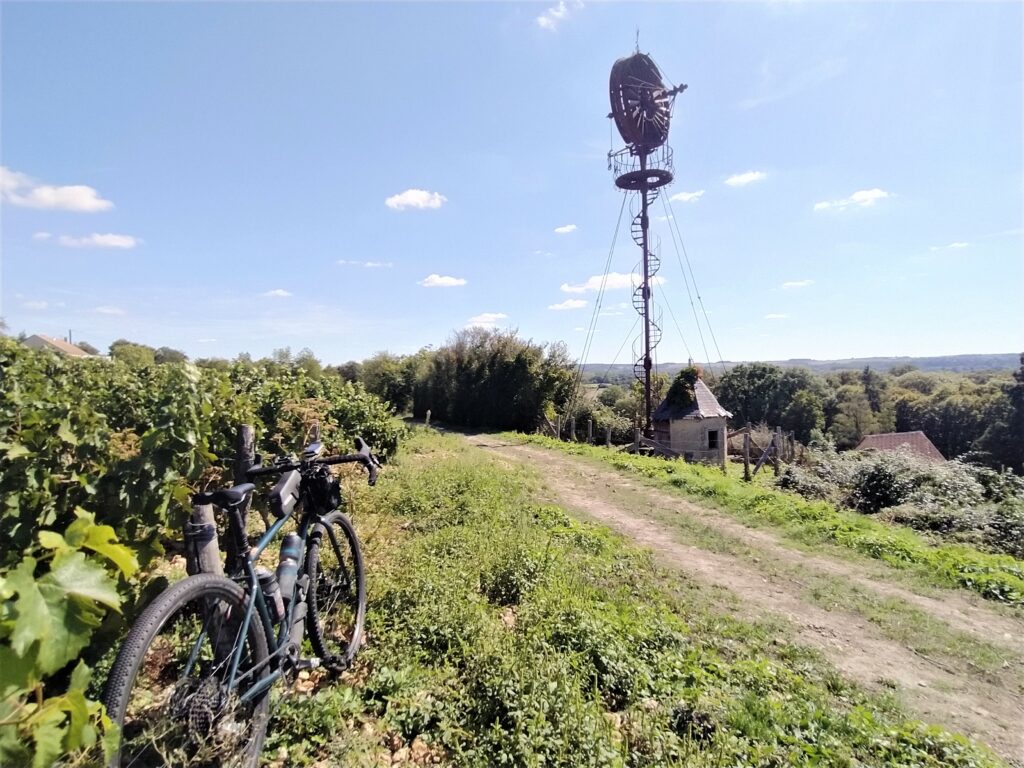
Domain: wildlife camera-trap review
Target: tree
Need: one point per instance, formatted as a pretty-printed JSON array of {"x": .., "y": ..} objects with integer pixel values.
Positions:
[
  {"x": 346, "y": 371},
  {"x": 132, "y": 353},
  {"x": 803, "y": 415},
  {"x": 386, "y": 376},
  {"x": 874, "y": 387},
  {"x": 761, "y": 392},
  {"x": 85, "y": 346},
  {"x": 308, "y": 362},
  {"x": 214, "y": 363},
  {"x": 610, "y": 395},
  {"x": 1003, "y": 440},
  {"x": 493, "y": 379},
  {"x": 169, "y": 355},
  {"x": 854, "y": 419}
]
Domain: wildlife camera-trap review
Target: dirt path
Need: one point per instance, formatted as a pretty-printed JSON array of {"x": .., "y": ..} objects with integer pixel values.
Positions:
[{"x": 954, "y": 695}]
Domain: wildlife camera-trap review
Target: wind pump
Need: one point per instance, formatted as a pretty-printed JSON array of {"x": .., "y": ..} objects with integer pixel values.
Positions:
[{"x": 642, "y": 111}]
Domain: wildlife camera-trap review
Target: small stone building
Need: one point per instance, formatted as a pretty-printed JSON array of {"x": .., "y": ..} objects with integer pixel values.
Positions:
[{"x": 690, "y": 421}]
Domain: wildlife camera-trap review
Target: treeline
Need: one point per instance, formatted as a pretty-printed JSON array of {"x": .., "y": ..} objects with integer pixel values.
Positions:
[
  {"x": 481, "y": 379},
  {"x": 977, "y": 416},
  {"x": 98, "y": 461}
]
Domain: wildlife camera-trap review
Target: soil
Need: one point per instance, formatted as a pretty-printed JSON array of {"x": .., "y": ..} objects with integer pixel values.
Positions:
[{"x": 951, "y": 692}]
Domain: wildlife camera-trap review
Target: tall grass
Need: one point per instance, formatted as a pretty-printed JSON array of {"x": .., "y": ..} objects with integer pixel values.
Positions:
[
  {"x": 996, "y": 577},
  {"x": 504, "y": 633}
]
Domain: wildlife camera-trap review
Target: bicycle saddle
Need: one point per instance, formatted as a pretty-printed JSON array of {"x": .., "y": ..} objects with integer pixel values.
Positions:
[{"x": 226, "y": 497}]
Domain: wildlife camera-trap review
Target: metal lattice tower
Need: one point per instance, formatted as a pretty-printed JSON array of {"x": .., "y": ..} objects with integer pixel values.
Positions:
[{"x": 642, "y": 111}]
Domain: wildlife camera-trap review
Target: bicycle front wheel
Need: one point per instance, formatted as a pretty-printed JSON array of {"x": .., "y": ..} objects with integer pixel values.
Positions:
[
  {"x": 169, "y": 690},
  {"x": 337, "y": 590}
]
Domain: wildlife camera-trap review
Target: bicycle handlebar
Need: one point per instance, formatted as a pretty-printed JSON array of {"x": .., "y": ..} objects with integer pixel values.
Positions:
[{"x": 364, "y": 457}]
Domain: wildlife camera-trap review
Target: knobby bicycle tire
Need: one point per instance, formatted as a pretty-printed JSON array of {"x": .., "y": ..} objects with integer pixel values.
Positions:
[
  {"x": 167, "y": 714},
  {"x": 337, "y": 591}
]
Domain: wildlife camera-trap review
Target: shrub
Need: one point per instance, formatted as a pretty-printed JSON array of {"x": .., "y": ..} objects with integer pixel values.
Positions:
[{"x": 882, "y": 483}]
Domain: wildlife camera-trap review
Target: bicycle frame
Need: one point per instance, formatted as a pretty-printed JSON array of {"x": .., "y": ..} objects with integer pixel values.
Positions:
[{"x": 257, "y": 602}]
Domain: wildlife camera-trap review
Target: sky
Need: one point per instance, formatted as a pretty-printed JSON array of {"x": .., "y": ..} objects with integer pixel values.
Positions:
[{"x": 351, "y": 178}]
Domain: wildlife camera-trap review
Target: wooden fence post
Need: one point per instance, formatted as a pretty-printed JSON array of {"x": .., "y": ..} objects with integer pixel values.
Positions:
[
  {"x": 746, "y": 456},
  {"x": 608, "y": 436},
  {"x": 558, "y": 427},
  {"x": 636, "y": 440},
  {"x": 245, "y": 457},
  {"x": 777, "y": 443},
  {"x": 590, "y": 430},
  {"x": 426, "y": 421},
  {"x": 572, "y": 430}
]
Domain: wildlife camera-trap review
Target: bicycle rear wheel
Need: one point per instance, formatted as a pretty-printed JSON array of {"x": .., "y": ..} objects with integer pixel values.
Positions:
[
  {"x": 168, "y": 689},
  {"x": 337, "y": 590}
]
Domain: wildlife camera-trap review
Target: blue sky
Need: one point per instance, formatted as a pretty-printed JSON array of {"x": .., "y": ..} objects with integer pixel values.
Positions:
[{"x": 217, "y": 178}]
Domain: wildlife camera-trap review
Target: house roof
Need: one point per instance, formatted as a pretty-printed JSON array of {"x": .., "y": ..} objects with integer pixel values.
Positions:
[
  {"x": 705, "y": 406},
  {"x": 916, "y": 442},
  {"x": 59, "y": 345}
]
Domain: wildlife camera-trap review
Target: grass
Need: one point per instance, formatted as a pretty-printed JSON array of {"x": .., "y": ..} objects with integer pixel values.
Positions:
[
  {"x": 896, "y": 619},
  {"x": 504, "y": 633},
  {"x": 996, "y": 577}
]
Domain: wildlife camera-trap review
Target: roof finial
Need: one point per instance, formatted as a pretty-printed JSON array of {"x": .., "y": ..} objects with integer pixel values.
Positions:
[{"x": 638, "y": 39}]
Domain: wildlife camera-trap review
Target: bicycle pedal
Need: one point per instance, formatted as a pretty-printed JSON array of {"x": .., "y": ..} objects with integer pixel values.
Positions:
[{"x": 301, "y": 664}]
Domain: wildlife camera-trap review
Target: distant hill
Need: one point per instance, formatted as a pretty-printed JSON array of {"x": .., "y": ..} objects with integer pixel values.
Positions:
[{"x": 955, "y": 363}]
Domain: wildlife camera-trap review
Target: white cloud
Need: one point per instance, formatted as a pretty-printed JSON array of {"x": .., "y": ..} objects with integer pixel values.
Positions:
[
  {"x": 688, "y": 197},
  {"x": 776, "y": 316},
  {"x": 41, "y": 236},
  {"x": 556, "y": 14},
  {"x": 663, "y": 218},
  {"x": 96, "y": 240},
  {"x": 951, "y": 246},
  {"x": 569, "y": 304},
  {"x": 797, "y": 284},
  {"x": 21, "y": 189},
  {"x": 109, "y": 310},
  {"x": 864, "y": 198},
  {"x": 415, "y": 198},
  {"x": 565, "y": 230},
  {"x": 616, "y": 280},
  {"x": 35, "y": 304},
  {"x": 204, "y": 341},
  {"x": 277, "y": 293},
  {"x": 366, "y": 264},
  {"x": 486, "y": 320},
  {"x": 742, "y": 179},
  {"x": 441, "y": 281}
]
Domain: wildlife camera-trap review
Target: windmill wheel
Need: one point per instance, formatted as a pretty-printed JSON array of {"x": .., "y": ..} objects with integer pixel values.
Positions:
[{"x": 641, "y": 107}]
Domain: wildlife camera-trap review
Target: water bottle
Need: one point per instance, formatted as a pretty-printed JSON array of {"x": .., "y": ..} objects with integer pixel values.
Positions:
[
  {"x": 288, "y": 566},
  {"x": 272, "y": 593}
]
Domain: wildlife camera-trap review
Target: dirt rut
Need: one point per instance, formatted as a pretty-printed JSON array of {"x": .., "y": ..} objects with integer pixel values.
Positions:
[{"x": 953, "y": 695}]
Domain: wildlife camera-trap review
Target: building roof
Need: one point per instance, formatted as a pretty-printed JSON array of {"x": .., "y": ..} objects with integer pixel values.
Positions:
[
  {"x": 705, "y": 406},
  {"x": 916, "y": 442},
  {"x": 57, "y": 345}
]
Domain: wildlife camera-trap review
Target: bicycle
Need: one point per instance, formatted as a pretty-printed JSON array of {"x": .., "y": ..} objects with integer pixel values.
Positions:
[{"x": 190, "y": 684}]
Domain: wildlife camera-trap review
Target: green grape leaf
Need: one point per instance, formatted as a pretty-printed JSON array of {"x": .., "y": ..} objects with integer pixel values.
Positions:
[
  {"x": 32, "y": 619},
  {"x": 16, "y": 672},
  {"x": 48, "y": 735},
  {"x": 77, "y": 707},
  {"x": 14, "y": 451},
  {"x": 64, "y": 433},
  {"x": 75, "y": 575},
  {"x": 52, "y": 540},
  {"x": 102, "y": 540}
]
